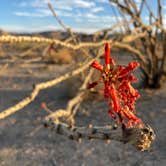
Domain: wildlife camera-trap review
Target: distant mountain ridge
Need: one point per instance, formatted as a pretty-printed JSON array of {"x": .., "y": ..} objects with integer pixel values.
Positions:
[{"x": 60, "y": 35}]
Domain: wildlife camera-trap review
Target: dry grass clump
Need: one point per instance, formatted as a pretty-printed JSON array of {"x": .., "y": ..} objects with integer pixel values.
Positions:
[
  {"x": 1, "y": 51},
  {"x": 57, "y": 55},
  {"x": 61, "y": 57}
]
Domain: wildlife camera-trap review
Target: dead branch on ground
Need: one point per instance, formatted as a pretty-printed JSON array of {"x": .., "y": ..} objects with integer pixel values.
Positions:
[{"x": 140, "y": 138}]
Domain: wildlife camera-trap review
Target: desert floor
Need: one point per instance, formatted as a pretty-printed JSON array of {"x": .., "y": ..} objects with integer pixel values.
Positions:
[{"x": 24, "y": 141}]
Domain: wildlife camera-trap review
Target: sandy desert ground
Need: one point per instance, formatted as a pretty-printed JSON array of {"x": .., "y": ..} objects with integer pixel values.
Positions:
[{"x": 25, "y": 142}]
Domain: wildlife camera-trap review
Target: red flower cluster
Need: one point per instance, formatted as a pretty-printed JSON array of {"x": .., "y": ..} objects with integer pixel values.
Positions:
[{"x": 118, "y": 90}]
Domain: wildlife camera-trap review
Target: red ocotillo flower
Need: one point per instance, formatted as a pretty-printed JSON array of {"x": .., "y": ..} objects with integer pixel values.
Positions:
[{"x": 118, "y": 90}]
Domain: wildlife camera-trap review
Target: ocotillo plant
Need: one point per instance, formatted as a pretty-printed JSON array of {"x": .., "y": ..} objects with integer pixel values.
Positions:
[
  {"x": 118, "y": 90},
  {"x": 121, "y": 96}
]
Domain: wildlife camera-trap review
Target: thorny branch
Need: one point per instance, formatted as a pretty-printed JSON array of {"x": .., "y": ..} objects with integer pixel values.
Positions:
[
  {"x": 72, "y": 108},
  {"x": 41, "y": 86},
  {"x": 140, "y": 138},
  {"x": 19, "y": 39}
]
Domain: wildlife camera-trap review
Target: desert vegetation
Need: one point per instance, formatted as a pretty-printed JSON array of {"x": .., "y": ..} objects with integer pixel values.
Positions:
[{"x": 75, "y": 55}]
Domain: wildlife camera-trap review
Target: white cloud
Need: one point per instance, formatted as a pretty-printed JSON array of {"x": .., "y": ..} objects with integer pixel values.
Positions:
[
  {"x": 35, "y": 3},
  {"x": 28, "y": 14},
  {"x": 83, "y": 3},
  {"x": 138, "y": 1},
  {"x": 85, "y": 30},
  {"x": 105, "y": 20},
  {"x": 103, "y": 1},
  {"x": 78, "y": 20},
  {"x": 12, "y": 28},
  {"x": 64, "y": 7},
  {"x": 91, "y": 25},
  {"x": 64, "y": 14},
  {"x": 97, "y": 9},
  {"x": 164, "y": 20},
  {"x": 82, "y": 20},
  {"x": 85, "y": 15},
  {"x": 90, "y": 15},
  {"x": 22, "y": 4},
  {"x": 60, "y": 4},
  {"x": 23, "y": 29},
  {"x": 47, "y": 12},
  {"x": 42, "y": 13}
]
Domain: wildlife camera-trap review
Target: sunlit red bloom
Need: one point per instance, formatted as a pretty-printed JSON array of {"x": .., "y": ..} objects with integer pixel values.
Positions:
[
  {"x": 118, "y": 90},
  {"x": 107, "y": 54},
  {"x": 97, "y": 66}
]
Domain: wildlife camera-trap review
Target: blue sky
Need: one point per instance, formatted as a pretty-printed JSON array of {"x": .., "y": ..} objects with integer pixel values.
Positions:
[{"x": 82, "y": 15}]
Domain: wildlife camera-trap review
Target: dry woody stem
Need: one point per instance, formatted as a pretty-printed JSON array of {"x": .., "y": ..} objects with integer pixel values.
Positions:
[{"x": 140, "y": 138}]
